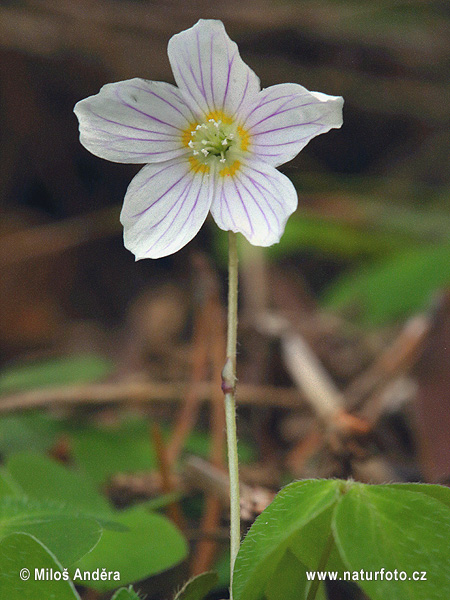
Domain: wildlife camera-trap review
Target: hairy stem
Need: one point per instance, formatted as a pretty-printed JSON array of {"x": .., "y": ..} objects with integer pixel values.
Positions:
[
  {"x": 228, "y": 386},
  {"x": 321, "y": 567}
]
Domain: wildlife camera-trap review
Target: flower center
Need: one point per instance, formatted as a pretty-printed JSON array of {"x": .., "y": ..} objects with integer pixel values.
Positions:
[
  {"x": 216, "y": 140},
  {"x": 212, "y": 139}
]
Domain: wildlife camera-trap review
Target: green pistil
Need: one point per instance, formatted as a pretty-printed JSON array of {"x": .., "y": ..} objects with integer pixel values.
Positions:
[{"x": 213, "y": 138}]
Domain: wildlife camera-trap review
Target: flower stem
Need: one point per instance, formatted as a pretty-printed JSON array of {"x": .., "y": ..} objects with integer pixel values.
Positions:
[
  {"x": 321, "y": 567},
  {"x": 229, "y": 386}
]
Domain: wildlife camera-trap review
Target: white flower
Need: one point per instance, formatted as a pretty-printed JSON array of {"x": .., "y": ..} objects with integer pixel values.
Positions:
[{"x": 210, "y": 144}]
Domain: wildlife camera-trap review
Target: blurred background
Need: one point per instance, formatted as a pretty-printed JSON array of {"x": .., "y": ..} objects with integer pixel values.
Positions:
[{"x": 355, "y": 293}]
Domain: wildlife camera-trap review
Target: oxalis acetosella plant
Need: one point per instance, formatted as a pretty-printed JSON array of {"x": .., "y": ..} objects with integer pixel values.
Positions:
[{"x": 213, "y": 144}]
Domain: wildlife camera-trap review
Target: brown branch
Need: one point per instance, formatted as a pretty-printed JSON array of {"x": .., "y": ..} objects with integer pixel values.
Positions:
[
  {"x": 203, "y": 475},
  {"x": 206, "y": 549},
  {"x": 208, "y": 296},
  {"x": 140, "y": 391},
  {"x": 168, "y": 485},
  {"x": 396, "y": 359},
  {"x": 46, "y": 240},
  {"x": 312, "y": 379}
]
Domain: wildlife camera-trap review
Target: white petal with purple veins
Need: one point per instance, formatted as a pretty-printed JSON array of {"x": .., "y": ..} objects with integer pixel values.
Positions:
[
  {"x": 164, "y": 207},
  {"x": 285, "y": 117},
  {"x": 256, "y": 201},
  {"x": 134, "y": 121},
  {"x": 209, "y": 70}
]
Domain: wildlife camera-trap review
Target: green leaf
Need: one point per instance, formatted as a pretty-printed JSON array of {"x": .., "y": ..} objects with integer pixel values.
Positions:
[
  {"x": 279, "y": 528},
  {"x": 150, "y": 545},
  {"x": 33, "y": 432},
  {"x": 67, "y": 536},
  {"x": 22, "y": 551},
  {"x": 162, "y": 501},
  {"x": 57, "y": 371},
  {"x": 42, "y": 478},
  {"x": 393, "y": 288},
  {"x": 103, "y": 452},
  {"x": 127, "y": 448},
  {"x": 197, "y": 587},
  {"x": 8, "y": 487},
  {"x": 222, "y": 568},
  {"x": 439, "y": 492},
  {"x": 288, "y": 581},
  {"x": 125, "y": 594},
  {"x": 338, "y": 239},
  {"x": 395, "y": 530}
]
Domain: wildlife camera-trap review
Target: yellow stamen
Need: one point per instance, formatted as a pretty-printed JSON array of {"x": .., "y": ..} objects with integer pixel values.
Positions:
[
  {"x": 231, "y": 170},
  {"x": 219, "y": 115},
  {"x": 197, "y": 166},
  {"x": 245, "y": 137},
  {"x": 186, "y": 136}
]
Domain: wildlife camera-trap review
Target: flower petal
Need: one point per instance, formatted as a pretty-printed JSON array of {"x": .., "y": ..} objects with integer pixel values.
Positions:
[
  {"x": 285, "y": 117},
  {"x": 256, "y": 201},
  {"x": 164, "y": 208},
  {"x": 134, "y": 121},
  {"x": 209, "y": 70}
]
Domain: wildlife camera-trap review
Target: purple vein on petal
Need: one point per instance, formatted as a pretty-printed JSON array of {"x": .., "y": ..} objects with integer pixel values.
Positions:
[
  {"x": 200, "y": 66},
  {"x": 258, "y": 204},
  {"x": 224, "y": 203},
  {"x": 162, "y": 195},
  {"x": 101, "y": 117},
  {"x": 267, "y": 100},
  {"x": 280, "y": 112},
  {"x": 243, "y": 205},
  {"x": 211, "y": 70},
  {"x": 261, "y": 186},
  {"x": 200, "y": 88},
  {"x": 188, "y": 87},
  {"x": 143, "y": 153},
  {"x": 121, "y": 136},
  {"x": 287, "y": 127},
  {"x": 122, "y": 101},
  {"x": 177, "y": 204},
  {"x": 152, "y": 93},
  {"x": 193, "y": 207},
  {"x": 296, "y": 141},
  {"x": 244, "y": 93},
  {"x": 230, "y": 67},
  {"x": 181, "y": 99}
]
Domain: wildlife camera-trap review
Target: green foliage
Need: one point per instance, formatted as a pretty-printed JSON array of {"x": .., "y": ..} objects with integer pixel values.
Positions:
[
  {"x": 338, "y": 526},
  {"x": 67, "y": 536},
  {"x": 23, "y": 551},
  {"x": 57, "y": 371},
  {"x": 43, "y": 479},
  {"x": 136, "y": 542},
  {"x": 8, "y": 487},
  {"x": 125, "y": 594},
  {"x": 378, "y": 527},
  {"x": 398, "y": 257},
  {"x": 307, "y": 232},
  {"x": 287, "y": 580},
  {"x": 394, "y": 287},
  {"x": 34, "y": 432},
  {"x": 150, "y": 544},
  {"x": 104, "y": 451},
  {"x": 126, "y": 448},
  {"x": 197, "y": 587},
  {"x": 275, "y": 529},
  {"x": 222, "y": 568}
]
